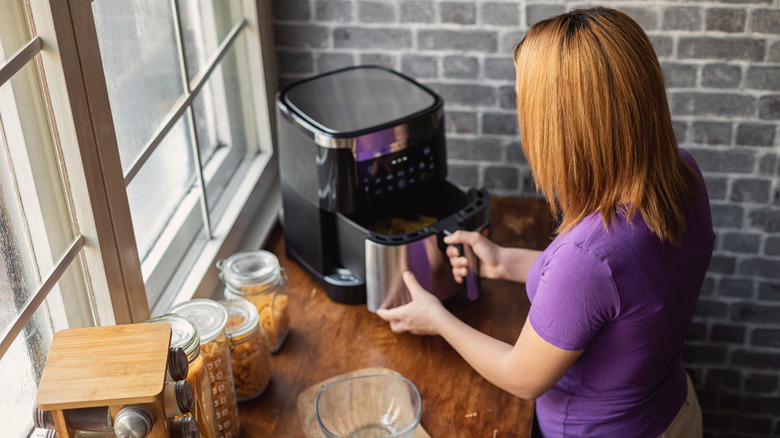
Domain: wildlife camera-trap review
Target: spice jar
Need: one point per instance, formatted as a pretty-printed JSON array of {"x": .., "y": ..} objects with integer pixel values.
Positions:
[
  {"x": 250, "y": 352},
  {"x": 185, "y": 334},
  {"x": 210, "y": 318},
  {"x": 257, "y": 277}
]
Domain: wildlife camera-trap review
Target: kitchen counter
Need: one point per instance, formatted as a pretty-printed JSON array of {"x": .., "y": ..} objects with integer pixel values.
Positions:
[{"x": 327, "y": 339}]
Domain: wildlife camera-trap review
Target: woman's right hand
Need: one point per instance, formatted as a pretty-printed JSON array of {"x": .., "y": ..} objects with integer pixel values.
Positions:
[{"x": 487, "y": 251}]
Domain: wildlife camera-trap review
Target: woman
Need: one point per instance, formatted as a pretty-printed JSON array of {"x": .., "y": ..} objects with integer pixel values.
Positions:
[{"x": 612, "y": 296}]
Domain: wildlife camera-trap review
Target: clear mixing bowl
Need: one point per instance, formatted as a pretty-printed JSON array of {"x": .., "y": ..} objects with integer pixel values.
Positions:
[{"x": 373, "y": 406}]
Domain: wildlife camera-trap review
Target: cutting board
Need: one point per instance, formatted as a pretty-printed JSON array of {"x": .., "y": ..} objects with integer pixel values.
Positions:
[{"x": 307, "y": 398}]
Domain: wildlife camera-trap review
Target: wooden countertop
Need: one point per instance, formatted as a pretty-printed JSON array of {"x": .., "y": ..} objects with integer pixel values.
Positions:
[{"x": 328, "y": 338}]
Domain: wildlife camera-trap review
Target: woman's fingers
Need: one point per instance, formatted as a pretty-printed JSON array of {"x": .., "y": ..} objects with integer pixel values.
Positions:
[
  {"x": 414, "y": 316},
  {"x": 398, "y": 326},
  {"x": 412, "y": 284},
  {"x": 389, "y": 315},
  {"x": 456, "y": 237},
  {"x": 459, "y": 264},
  {"x": 460, "y": 236}
]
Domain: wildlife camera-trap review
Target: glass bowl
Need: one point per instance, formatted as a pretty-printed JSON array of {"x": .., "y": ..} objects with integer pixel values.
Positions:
[{"x": 372, "y": 406}]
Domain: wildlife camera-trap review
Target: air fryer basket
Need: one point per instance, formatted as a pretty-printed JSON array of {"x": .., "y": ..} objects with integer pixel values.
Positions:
[{"x": 379, "y": 259}]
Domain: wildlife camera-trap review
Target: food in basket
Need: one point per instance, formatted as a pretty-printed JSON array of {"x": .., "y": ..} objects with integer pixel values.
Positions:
[{"x": 397, "y": 225}]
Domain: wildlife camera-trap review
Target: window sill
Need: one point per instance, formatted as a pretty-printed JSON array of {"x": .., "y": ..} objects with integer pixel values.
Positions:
[{"x": 245, "y": 225}]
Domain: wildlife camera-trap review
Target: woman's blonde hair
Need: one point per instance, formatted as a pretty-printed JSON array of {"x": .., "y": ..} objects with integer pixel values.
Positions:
[{"x": 595, "y": 123}]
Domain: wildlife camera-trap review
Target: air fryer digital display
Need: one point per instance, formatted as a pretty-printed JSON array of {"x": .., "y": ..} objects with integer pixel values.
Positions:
[{"x": 398, "y": 171}]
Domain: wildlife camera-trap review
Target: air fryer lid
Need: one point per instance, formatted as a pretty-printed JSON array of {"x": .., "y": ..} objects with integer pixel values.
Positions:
[{"x": 357, "y": 99}]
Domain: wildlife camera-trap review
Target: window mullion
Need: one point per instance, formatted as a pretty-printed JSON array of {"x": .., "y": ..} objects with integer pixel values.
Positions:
[
  {"x": 178, "y": 31},
  {"x": 91, "y": 157},
  {"x": 174, "y": 115},
  {"x": 37, "y": 298},
  {"x": 259, "y": 35},
  {"x": 19, "y": 59}
]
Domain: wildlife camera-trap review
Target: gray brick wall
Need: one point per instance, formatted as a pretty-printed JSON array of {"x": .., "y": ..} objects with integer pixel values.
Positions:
[{"x": 721, "y": 60}]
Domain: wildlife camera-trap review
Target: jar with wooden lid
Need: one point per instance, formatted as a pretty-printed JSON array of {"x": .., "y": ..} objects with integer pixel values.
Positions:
[
  {"x": 257, "y": 277},
  {"x": 185, "y": 334},
  {"x": 210, "y": 318},
  {"x": 250, "y": 352}
]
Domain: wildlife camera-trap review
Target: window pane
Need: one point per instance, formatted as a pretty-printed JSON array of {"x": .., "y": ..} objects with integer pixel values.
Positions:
[
  {"x": 22, "y": 364},
  {"x": 142, "y": 70},
  {"x": 20, "y": 372},
  {"x": 161, "y": 184},
  {"x": 206, "y": 23},
  {"x": 165, "y": 196},
  {"x": 13, "y": 28},
  {"x": 18, "y": 273},
  {"x": 223, "y": 112},
  {"x": 35, "y": 180}
]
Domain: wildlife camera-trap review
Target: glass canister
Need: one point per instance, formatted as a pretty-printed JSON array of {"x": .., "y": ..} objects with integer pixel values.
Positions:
[
  {"x": 250, "y": 352},
  {"x": 210, "y": 318},
  {"x": 257, "y": 277},
  {"x": 185, "y": 334}
]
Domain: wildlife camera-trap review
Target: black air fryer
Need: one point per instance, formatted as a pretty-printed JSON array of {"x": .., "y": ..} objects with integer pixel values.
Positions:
[{"x": 363, "y": 174}]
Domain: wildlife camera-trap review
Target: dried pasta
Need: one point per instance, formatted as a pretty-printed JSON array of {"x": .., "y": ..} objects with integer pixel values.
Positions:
[
  {"x": 204, "y": 407},
  {"x": 217, "y": 357},
  {"x": 274, "y": 315},
  {"x": 250, "y": 358}
]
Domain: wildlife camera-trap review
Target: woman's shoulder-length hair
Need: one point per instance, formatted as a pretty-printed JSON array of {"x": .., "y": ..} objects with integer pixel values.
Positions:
[{"x": 595, "y": 123}]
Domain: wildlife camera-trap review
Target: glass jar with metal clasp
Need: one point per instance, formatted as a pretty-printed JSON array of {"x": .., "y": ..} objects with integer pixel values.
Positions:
[
  {"x": 185, "y": 334},
  {"x": 250, "y": 351},
  {"x": 257, "y": 277},
  {"x": 210, "y": 317}
]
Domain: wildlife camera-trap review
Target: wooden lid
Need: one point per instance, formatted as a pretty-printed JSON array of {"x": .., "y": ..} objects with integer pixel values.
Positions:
[{"x": 102, "y": 366}]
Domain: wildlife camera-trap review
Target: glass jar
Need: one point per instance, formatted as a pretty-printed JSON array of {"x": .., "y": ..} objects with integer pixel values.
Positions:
[
  {"x": 184, "y": 334},
  {"x": 210, "y": 318},
  {"x": 250, "y": 352},
  {"x": 257, "y": 277}
]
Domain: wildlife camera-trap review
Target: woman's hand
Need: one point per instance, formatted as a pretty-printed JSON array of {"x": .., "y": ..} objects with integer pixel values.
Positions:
[
  {"x": 421, "y": 316},
  {"x": 487, "y": 251}
]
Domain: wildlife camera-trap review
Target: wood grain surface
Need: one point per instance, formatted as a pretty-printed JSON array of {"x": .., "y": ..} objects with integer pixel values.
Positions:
[
  {"x": 328, "y": 339},
  {"x": 101, "y": 366}
]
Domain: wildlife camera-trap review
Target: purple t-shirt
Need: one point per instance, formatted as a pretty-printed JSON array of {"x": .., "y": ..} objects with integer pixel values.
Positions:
[{"x": 626, "y": 299}]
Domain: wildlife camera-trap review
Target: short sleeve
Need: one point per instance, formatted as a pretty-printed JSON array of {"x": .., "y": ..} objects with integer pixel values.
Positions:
[{"x": 575, "y": 296}]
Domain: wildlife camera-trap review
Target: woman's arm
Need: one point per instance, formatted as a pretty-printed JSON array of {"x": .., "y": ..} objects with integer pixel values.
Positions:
[
  {"x": 526, "y": 369},
  {"x": 517, "y": 262},
  {"x": 495, "y": 261}
]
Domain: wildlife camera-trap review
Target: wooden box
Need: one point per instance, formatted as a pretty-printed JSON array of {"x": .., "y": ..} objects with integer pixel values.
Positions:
[{"x": 111, "y": 366}]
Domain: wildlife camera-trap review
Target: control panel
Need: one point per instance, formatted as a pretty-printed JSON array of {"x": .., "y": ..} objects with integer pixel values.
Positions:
[{"x": 399, "y": 171}]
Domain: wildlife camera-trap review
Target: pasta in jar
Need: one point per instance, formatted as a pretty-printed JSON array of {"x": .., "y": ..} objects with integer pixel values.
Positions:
[
  {"x": 216, "y": 354},
  {"x": 205, "y": 412},
  {"x": 250, "y": 355},
  {"x": 210, "y": 317},
  {"x": 257, "y": 277},
  {"x": 185, "y": 334}
]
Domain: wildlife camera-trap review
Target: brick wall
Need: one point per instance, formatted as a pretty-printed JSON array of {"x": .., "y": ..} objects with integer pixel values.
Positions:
[{"x": 722, "y": 65}]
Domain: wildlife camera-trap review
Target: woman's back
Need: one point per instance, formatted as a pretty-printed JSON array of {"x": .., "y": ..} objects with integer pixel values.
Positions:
[{"x": 626, "y": 298}]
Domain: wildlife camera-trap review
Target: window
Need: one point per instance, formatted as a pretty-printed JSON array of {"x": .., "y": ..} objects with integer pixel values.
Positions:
[
  {"x": 135, "y": 151},
  {"x": 41, "y": 241},
  {"x": 186, "y": 98}
]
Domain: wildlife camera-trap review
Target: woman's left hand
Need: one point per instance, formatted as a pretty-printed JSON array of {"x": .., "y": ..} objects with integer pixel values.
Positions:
[{"x": 419, "y": 316}]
